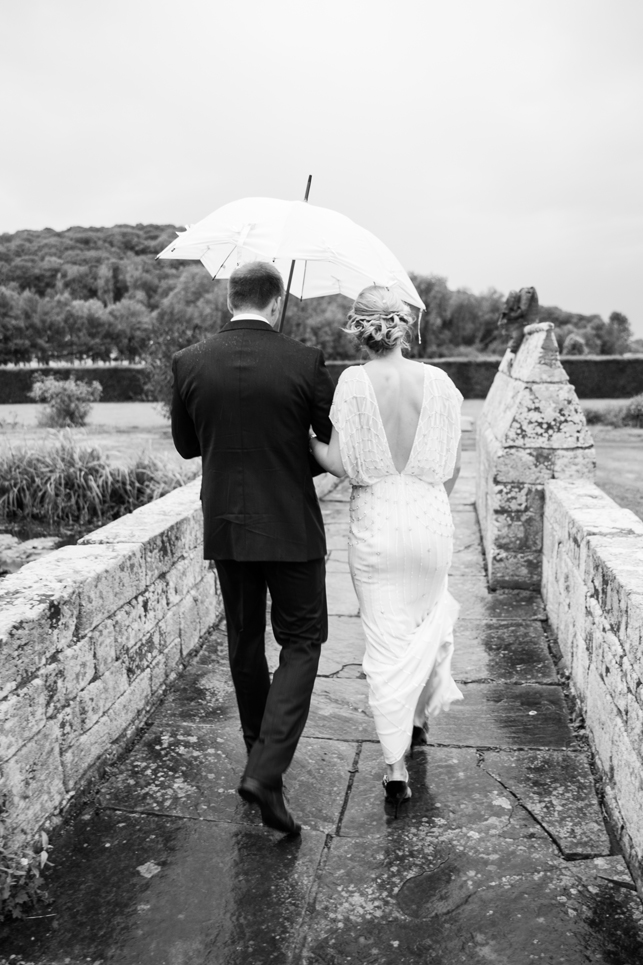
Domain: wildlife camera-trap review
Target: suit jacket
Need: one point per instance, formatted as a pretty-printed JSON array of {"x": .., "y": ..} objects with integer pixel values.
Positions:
[{"x": 243, "y": 399}]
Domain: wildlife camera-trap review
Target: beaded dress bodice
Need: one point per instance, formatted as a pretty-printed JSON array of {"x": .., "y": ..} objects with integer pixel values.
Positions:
[{"x": 364, "y": 448}]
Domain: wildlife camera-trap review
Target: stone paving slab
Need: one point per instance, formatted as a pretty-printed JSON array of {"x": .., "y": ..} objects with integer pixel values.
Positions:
[
  {"x": 442, "y": 901},
  {"x": 343, "y": 652},
  {"x": 339, "y": 554},
  {"x": 341, "y": 655},
  {"x": 505, "y": 715},
  {"x": 204, "y": 692},
  {"x": 510, "y": 652},
  {"x": 558, "y": 789},
  {"x": 192, "y": 771},
  {"x": 222, "y": 893},
  {"x": 336, "y": 536},
  {"x": 342, "y": 600},
  {"x": 467, "y": 563},
  {"x": 478, "y": 604},
  {"x": 338, "y": 563},
  {"x": 339, "y": 710},
  {"x": 451, "y": 790}
]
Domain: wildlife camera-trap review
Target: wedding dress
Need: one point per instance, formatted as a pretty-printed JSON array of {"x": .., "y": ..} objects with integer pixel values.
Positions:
[{"x": 400, "y": 549}]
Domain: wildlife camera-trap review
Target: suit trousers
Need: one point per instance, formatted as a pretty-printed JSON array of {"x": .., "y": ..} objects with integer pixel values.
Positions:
[{"x": 273, "y": 715}]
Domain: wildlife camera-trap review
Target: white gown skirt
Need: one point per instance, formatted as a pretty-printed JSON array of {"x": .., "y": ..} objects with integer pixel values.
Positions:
[{"x": 400, "y": 549}]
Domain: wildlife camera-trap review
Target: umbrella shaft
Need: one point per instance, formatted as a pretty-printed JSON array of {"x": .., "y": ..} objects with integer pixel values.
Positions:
[
  {"x": 292, "y": 268},
  {"x": 287, "y": 293}
]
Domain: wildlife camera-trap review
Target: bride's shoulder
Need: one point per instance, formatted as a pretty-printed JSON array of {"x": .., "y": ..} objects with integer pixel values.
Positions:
[
  {"x": 351, "y": 379},
  {"x": 435, "y": 372},
  {"x": 440, "y": 380},
  {"x": 352, "y": 373}
]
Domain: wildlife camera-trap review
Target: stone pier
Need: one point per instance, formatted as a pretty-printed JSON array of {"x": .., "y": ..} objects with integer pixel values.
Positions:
[{"x": 532, "y": 429}]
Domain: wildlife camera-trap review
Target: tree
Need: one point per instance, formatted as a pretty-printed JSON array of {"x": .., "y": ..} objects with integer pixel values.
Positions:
[
  {"x": 574, "y": 344},
  {"x": 14, "y": 341},
  {"x": 131, "y": 327},
  {"x": 618, "y": 334},
  {"x": 195, "y": 309}
]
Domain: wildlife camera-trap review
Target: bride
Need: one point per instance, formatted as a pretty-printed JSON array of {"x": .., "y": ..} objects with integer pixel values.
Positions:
[{"x": 397, "y": 436}]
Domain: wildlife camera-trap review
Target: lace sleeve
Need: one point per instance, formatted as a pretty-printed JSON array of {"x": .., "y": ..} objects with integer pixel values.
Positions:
[
  {"x": 439, "y": 426},
  {"x": 362, "y": 443},
  {"x": 340, "y": 416}
]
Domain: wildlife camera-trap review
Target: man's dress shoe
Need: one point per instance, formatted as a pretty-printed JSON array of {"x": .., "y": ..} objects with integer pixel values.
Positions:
[{"x": 274, "y": 810}]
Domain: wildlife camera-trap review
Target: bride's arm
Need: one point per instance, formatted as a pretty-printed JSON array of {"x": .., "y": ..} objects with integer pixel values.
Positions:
[
  {"x": 327, "y": 454},
  {"x": 450, "y": 483}
]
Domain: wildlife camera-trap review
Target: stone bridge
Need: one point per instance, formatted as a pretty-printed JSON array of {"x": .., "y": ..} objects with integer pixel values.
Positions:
[{"x": 524, "y": 837}]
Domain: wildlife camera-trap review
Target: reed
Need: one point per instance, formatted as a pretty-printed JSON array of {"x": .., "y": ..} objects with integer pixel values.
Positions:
[{"x": 67, "y": 483}]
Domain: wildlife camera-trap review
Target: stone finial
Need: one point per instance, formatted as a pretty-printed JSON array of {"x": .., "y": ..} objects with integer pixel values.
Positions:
[
  {"x": 532, "y": 428},
  {"x": 539, "y": 360}
]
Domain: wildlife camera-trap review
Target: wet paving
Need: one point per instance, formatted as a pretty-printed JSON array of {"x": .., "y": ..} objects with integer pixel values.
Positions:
[{"x": 501, "y": 855}]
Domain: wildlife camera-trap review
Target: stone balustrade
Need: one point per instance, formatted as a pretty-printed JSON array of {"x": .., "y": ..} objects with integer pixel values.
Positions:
[
  {"x": 531, "y": 429},
  {"x": 592, "y": 586},
  {"x": 90, "y": 637},
  {"x": 546, "y": 526}
]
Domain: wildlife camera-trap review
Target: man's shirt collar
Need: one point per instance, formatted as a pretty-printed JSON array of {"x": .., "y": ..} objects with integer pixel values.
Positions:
[{"x": 244, "y": 316}]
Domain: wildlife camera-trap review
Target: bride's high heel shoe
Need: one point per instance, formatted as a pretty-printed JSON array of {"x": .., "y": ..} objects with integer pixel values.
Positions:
[{"x": 396, "y": 792}]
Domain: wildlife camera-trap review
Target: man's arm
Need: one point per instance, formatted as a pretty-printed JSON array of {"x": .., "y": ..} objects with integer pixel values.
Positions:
[
  {"x": 328, "y": 456},
  {"x": 184, "y": 435},
  {"x": 323, "y": 391}
]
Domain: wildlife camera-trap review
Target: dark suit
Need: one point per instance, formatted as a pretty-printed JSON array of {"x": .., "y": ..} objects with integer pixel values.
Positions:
[{"x": 243, "y": 400}]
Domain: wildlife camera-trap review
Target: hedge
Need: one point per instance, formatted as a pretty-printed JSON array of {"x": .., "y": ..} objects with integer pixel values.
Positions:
[
  {"x": 121, "y": 383},
  {"x": 593, "y": 377}
]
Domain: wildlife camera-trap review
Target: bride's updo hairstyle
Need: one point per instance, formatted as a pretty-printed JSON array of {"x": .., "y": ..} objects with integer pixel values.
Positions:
[{"x": 379, "y": 320}]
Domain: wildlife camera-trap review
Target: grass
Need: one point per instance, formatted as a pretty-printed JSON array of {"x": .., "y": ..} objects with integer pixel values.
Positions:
[
  {"x": 67, "y": 483},
  {"x": 21, "y": 882}
]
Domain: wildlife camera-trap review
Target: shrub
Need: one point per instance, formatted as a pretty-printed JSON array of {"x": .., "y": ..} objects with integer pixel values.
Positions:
[
  {"x": 70, "y": 484},
  {"x": 630, "y": 414},
  {"x": 594, "y": 417},
  {"x": 67, "y": 402},
  {"x": 21, "y": 883},
  {"x": 574, "y": 344}
]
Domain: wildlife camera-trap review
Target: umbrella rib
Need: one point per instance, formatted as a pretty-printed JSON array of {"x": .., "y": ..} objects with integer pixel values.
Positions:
[{"x": 222, "y": 265}]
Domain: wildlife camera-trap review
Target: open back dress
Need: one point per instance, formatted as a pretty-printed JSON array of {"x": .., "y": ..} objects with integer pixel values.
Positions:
[{"x": 400, "y": 550}]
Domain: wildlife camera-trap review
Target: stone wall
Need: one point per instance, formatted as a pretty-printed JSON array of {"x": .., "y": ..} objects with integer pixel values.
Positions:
[
  {"x": 531, "y": 429},
  {"x": 592, "y": 585},
  {"x": 90, "y": 636}
]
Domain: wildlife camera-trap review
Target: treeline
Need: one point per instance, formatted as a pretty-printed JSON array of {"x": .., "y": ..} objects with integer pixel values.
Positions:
[
  {"x": 85, "y": 294},
  {"x": 98, "y": 295}
]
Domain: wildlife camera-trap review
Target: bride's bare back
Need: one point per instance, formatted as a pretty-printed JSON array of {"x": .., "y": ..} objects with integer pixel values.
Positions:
[{"x": 398, "y": 384}]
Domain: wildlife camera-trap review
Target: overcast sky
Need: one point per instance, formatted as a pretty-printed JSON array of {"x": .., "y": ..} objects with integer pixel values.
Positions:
[{"x": 495, "y": 142}]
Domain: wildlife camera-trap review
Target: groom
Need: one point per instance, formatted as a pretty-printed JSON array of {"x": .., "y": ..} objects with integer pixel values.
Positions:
[{"x": 244, "y": 400}]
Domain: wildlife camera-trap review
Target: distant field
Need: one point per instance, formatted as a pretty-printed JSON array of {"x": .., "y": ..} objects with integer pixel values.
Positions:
[
  {"x": 125, "y": 430},
  {"x": 619, "y": 470}
]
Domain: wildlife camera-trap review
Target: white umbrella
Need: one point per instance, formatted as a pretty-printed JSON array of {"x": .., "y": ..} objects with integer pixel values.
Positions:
[{"x": 331, "y": 254}]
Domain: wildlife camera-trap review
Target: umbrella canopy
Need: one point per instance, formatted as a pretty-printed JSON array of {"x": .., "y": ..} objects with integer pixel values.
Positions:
[{"x": 332, "y": 254}]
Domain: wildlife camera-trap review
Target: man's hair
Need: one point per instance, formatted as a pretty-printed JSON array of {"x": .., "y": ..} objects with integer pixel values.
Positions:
[{"x": 255, "y": 283}]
